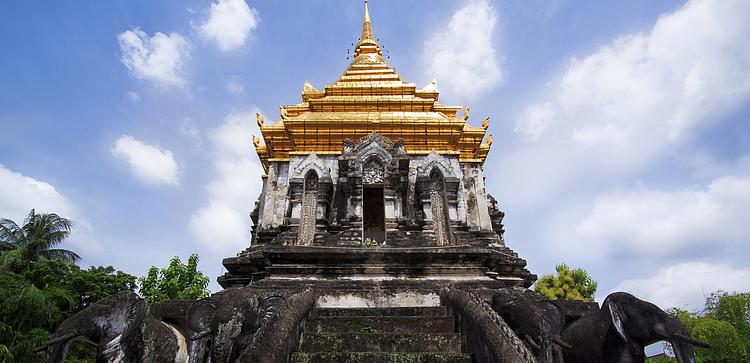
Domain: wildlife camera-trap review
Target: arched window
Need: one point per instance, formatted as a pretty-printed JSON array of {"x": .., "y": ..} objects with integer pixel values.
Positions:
[
  {"x": 439, "y": 206},
  {"x": 308, "y": 215}
]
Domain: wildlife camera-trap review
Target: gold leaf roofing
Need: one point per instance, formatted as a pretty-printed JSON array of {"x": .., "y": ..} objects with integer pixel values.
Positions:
[{"x": 370, "y": 97}]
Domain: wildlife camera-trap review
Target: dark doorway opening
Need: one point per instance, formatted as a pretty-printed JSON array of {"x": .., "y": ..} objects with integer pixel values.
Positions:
[{"x": 373, "y": 218}]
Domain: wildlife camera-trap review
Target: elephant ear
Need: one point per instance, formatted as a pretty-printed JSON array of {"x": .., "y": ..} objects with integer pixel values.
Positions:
[
  {"x": 201, "y": 314},
  {"x": 615, "y": 313},
  {"x": 270, "y": 307}
]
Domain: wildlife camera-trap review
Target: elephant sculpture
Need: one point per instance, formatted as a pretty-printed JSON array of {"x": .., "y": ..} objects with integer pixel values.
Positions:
[
  {"x": 537, "y": 322},
  {"x": 621, "y": 328},
  {"x": 226, "y": 323},
  {"x": 123, "y": 331}
]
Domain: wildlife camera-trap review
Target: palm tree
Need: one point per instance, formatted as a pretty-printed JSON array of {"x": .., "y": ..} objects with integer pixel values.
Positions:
[{"x": 36, "y": 239}]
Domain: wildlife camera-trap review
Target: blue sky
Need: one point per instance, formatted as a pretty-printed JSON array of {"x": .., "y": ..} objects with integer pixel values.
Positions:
[{"x": 621, "y": 140}]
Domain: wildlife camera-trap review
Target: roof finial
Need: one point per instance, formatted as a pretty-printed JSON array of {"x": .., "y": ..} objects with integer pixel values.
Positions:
[
  {"x": 367, "y": 13},
  {"x": 367, "y": 42}
]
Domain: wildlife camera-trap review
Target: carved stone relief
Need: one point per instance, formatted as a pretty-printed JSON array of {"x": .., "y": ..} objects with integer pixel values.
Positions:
[
  {"x": 435, "y": 160},
  {"x": 310, "y": 162},
  {"x": 309, "y": 210},
  {"x": 372, "y": 172},
  {"x": 440, "y": 218}
]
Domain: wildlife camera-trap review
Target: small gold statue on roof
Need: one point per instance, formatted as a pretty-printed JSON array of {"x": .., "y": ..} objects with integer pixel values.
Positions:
[
  {"x": 432, "y": 87},
  {"x": 486, "y": 123},
  {"x": 283, "y": 113},
  {"x": 489, "y": 140},
  {"x": 308, "y": 88},
  {"x": 261, "y": 120},
  {"x": 256, "y": 141},
  {"x": 466, "y": 113}
]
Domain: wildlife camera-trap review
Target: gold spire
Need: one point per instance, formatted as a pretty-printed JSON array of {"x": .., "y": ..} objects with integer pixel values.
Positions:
[{"x": 367, "y": 42}]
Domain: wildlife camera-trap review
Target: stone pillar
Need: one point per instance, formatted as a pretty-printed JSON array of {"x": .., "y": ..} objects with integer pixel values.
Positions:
[
  {"x": 478, "y": 215},
  {"x": 275, "y": 191}
]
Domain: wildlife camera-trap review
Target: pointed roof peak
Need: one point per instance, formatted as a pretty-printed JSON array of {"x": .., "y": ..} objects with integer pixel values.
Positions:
[
  {"x": 367, "y": 13},
  {"x": 368, "y": 44}
]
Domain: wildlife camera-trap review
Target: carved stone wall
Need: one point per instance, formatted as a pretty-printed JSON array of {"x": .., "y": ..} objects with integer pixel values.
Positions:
[
  {"x": 372, "y": 161},
  {"x": 411, "y": 200}
]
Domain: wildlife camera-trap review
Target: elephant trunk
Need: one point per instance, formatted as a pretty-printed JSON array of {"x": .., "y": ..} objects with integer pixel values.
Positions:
[{"x": 683, "y": 352}]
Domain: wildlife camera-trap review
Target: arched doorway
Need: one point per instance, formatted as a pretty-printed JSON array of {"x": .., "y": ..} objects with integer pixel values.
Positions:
[
  {"x": 373, "y": 202},
  {"x": 308, "y": 215},
  {"x": 440, "y": 217}
]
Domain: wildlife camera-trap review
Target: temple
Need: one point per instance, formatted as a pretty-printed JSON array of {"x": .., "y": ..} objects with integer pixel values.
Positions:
[
  {"x": 373, "y": 178},
  {"x": 373, "y": 240}
]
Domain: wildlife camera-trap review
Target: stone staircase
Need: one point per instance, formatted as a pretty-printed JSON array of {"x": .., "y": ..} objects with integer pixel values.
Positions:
[{"x": 391, "y": 334}]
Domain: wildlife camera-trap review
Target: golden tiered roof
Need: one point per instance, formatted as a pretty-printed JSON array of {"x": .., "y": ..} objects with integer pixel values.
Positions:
[{"x": 371, "y": 97}]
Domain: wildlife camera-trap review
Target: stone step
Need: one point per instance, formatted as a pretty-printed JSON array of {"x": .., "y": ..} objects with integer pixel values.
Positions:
[
  {"x": 381, "y": 324},
  {"x": 387, "y": 311},
  {"x": 380, "y": 357},
  {"x": 380, "y": 342}
]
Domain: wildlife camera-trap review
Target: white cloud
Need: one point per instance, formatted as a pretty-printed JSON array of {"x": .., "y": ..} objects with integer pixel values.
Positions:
[
  {"x": 157, "y": 59},
  {"x": 686, "y": 285},
  {"x": 694, "y": 62},
  {"x": 646, "y": 221},
  {"x": 234, "y": 85},
  {"x": 223, "y": 224},
  {"x": 23, "y": 193},
  {"x": 229, "y": 24},
  {"x": 134, "y": 97},
  {"x": 618, "y": 109},
  {"x": 461, "y": 55},
  {"x": 149, "y": 164}
]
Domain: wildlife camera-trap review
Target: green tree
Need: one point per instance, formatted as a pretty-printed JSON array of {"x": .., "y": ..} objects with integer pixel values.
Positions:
[
  {"x": 37, "y": 238},
  {"x": 575, "y": 284},
  {"x": 177, "y": 281},
  {"x": 28, "y": 314},
  {"x": 724, "y": 323},
  {"x": 87, "y": 286},
  {"x": 35, "y": 302},
  {"x": 732, "y": 308}
]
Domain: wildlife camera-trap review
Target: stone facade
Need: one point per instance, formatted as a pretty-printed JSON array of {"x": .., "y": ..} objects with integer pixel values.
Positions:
[{"x": 433, "y": 193}]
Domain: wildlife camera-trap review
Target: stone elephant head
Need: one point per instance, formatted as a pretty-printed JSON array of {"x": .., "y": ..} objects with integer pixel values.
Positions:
[
  {"x": 226, "y": 322},
  {"x": 537, "y": 322},
  {"x": 123, "y": 331},
  {"x": 620, "y": 330}
]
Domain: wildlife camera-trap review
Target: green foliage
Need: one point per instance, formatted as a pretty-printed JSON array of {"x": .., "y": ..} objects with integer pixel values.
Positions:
[
  {"x": 88, "y": 286},
  {"x": 40, "y": 286},
  {"x": 724, "y": 324},
  {"x": 569, "y": 284},
  {"x": 732, "y": 308},
  {"x": 177, "y": 281},
  {"x": 37, "y": 238}
]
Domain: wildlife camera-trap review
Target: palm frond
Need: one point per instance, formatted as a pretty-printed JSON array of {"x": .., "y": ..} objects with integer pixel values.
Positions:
[{"x": 61, "y": 254}]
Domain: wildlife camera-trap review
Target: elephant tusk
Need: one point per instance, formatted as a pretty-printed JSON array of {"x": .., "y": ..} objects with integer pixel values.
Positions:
[
  {"x": 57, "y": 340},
  {"x": 201, "y": 334},
  {"x": 531, "y": 342},
  {"x": 557, "y": 340},
  {"x": 690, "y": 340}
]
